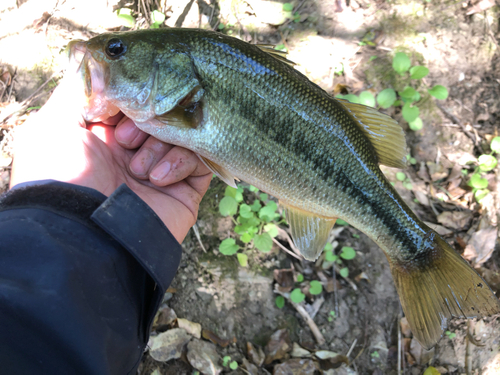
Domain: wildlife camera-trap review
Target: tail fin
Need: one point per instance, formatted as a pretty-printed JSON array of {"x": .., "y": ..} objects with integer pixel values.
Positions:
[{"x": 443, "y": 285}]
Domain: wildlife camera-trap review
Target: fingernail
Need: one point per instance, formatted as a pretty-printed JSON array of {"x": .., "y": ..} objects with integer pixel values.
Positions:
[
  {"x": 126, "y": 132},
  {"x": 161, "y": 171},
  {"x": 141, "y": 163}
]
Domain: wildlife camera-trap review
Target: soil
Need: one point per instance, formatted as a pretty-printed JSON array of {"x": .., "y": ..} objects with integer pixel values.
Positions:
[{"x": 460, "y": 48}]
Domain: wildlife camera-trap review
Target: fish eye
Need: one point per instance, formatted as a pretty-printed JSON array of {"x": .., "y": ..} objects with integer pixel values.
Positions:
[{"x": 115, "y": 48}]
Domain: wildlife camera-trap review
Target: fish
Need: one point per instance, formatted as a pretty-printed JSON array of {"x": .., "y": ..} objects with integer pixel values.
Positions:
[{"x": 250, "y": 115}]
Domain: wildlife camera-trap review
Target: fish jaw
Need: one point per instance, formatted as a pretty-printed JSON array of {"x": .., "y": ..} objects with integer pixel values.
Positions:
[{"x": 97, "y": 107}]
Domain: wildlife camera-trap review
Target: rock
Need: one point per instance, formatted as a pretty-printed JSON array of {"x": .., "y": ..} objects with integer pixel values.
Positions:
[
  {"x": 325, "y": 354},
  {"x": 295, "y": 366},
  {"x": 250, "y": 367},
  {"x": 168, "y": 345},
  {"x": 203, "y": 356},
  {"x": 194, "y": 329},
  {"x": 164, "y": 318}
]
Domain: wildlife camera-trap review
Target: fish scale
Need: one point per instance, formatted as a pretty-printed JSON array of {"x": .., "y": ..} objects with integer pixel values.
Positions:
[{"x": 248, "y": 114}]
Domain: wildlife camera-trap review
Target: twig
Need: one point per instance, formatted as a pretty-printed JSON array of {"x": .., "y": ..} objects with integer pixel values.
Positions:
[
  {"x": 351, "y": 348},
  {"x": 353, "y": 285},
  {"x": 400, "y": 347},
  {"x": 335, "y": 294},
  {"x": 468, "y": 349},
  {"x": 197, "y": 234},
  {"x": 285, "y": 249},
  {"x": 302, "y": 311},
  {"x": 314, "y": 308},
  {"x": 284, "y": 233},
  {"x": 458, "y": 122},
  {"x": 312, "y": 326}
]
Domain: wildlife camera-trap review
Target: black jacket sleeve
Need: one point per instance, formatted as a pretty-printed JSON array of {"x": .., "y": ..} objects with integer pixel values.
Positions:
[{"x": 81, "y": 278}]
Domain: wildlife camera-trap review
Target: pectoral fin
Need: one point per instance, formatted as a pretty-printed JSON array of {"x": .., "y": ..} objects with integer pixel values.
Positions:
[
  {"x": 188, "y": 113},
  {"x": 219, "y": 171},
  {"x": 309, "y": 232}
]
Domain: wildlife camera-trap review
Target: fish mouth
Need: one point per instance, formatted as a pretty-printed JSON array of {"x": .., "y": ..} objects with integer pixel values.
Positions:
[{"x": 93, "y": 75}]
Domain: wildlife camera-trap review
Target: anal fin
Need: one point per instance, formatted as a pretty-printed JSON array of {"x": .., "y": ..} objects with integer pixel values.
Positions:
[
  {"x": 224, "y": 175},
  {"x": 309, "y": 231},
  {"x": 442, "y": 286}
]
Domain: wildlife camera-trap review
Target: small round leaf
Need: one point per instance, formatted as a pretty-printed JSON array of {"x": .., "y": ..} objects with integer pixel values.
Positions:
[
  {"x": 233, "y": 365},
  {"x": 401, "y": 62},
  {"x": 157, "y": 17},
  {"x": 297, "y": 296},
  {"x": 330, "y": 257},
  {"x": 344, "y": 272},
  {"x": 272, "y": 229},
  {"x": 300, "y": 277},
  {"x": 477, "y": 182},
  {"x": 348, "y": 253},
  {"x": 487, "y": 163},
  {"x": 418, "y": 72},
  {"x": 263, "y": 242},
  {"x": 480, "y": 194},
  {"x": 352, "y": 98},
  {"x": 495, "y": 145},
  {"x": 287, "y": 7},
  {"x": 409, "y": 93},
  {"x": 416, "y": 125},
  {"x": 386, "y": 98},
  {"x": 280, "y": 302},
  {"x": 242, "y": 259},
  {"x": 228, "y": 206},
  {"x": 328, "y": 246},
  {"x": 439, "y": 92},
  {"x": 228, "y": 247},
  {"x": 246, "y": 211},
  {"x": 315, "y": 287},
  {"x": 400, "y": 176},
  {"x": 367, "y": 98},
  {"x": 410, "y": 113}
]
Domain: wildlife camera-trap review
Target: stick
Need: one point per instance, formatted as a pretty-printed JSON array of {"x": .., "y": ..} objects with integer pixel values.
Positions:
[
  {"x": 455, "y": 120},
  {"x": 197, "y": 234},
  {"x": 285, "y": 249},
  {"x": 312, "y": 326},
  {"x": 351, "y": 348}
]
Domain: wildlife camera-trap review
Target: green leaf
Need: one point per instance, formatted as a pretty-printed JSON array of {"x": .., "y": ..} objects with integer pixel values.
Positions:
[
  {"x": 221, "y": 26},
  {"x": 410, "y": 113},
  {"x": 400, "y": 176},
  {"x": 372, "y": 58},
  {"x": 300, "y": 277},
  {"x": 225, "y": 360},
  {"x": 367, "y": 98},
  {"x": 431, "y": 371},
  {"x": 233, "y": 365},
  {"x": 246, "y": 211},
  {"x": 328, "y": 247},
  {"x": 347, "y": 253},
  {"x": 280, "y": 302},
  {"x": 228, "y": 247},
  {"x": 477, "y": 182},
  {"x": 267, "y": 213},
  {"x": 330, "y": 257},
  {"x": 256, "y": 206},
  {"x": 408, "y": 93},
  {"x": 272, "y": 229},
  {"x": 253, "y": 189},
  {"x": 386, "y": 98},
  {"x": 341, "y": 222},
  {"x": 408, "y": 185},
  {"x": 287, "y": 7},
  {"x": 416, "y": 125},
  {"x": 157, "y": 17},
  {"x": 315, "y": 287},
  {"x": 280, "y": 47},
  {"x": 352, "y": 98},
  {"x": 242, "y": 259},
  {"x": 495, "y": 145},
  {"x": 228, "y": 206},
  {"x": 235, "y": 193},
  {"x": 297, "y": 296},
  {"x": 344, "y": 272},
  {"x": 263, "y": 197},
  {"x": 487, "y": 163},
  {"x": 401, "y": 62},
  {"x": 418, "y": 72},
  {"x": 480, "y": 194},
  {"x": 126, "y": 20},
  {"x": 246, "y": 237},
  {"x": 263, "y": 242},
  {"x": 439, "y": 92}
]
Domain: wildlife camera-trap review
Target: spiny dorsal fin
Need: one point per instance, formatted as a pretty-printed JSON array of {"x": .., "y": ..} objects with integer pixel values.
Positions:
[
  {"x": 309, "y": 231},
  {"x": 385, "y": 134},
  {"x": 279, "y": 55},
  {"x": 224, "y": 175}
]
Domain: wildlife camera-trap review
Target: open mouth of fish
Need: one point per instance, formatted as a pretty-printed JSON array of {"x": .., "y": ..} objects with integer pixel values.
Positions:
[{"x": 94, "y": 77}]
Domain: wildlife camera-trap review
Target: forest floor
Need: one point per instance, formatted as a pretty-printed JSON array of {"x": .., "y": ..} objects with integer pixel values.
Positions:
[{"x": 344, "y": 48}]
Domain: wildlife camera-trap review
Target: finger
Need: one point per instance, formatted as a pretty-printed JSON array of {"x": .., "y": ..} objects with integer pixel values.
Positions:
[
  {"x": 114, "y": 120},
  {"x": 128, "y": 135},
  {"x": 186, "y": 194},
  {"x": 147, "y": 157},
  {"x": 175, "y": 166}
]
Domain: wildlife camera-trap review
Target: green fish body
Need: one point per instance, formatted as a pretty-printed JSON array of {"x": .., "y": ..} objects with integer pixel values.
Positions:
[{"x": 250, "y": 115}]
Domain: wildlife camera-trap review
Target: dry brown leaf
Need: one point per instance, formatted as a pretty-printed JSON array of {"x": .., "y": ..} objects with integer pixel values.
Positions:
[
  {"x": 455, "y": 219},
  {"x": 194, "y": 329},
  {"x": 257, "y": 356},
  {"x": 405, "y": 327},
  {"x": 296, "y": 366},
  {"x": 209, "y": 335},
  {"x": 285, "y": 279},
  {"x": 481, "y": 6},
  {"x": 278, "y": 346},
  {"x": 483, "y": 242}
]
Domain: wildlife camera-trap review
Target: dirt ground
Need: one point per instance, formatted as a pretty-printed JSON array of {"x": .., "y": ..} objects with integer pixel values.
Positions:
[{"x": 361, "y": 318}]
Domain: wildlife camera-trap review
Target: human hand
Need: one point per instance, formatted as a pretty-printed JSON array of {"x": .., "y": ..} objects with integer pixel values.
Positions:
[{"x": 57, "y": 144}]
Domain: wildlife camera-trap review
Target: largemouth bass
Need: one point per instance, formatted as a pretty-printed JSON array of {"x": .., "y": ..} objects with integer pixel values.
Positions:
[{"x": 250, "y": 115}]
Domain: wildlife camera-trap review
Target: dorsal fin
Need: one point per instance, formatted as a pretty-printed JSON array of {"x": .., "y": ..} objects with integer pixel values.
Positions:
[
  {"x": 385, "y": 134},
  {"x": 279, "y": 55}
]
